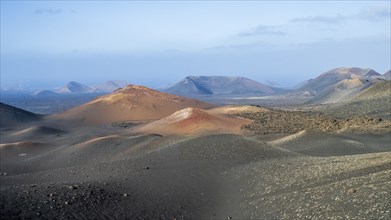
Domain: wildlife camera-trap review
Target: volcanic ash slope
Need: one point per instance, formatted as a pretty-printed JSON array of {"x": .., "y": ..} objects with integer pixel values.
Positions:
[
  {"x": 130, "y": 103},
  {"x": 195, "y": 121}
]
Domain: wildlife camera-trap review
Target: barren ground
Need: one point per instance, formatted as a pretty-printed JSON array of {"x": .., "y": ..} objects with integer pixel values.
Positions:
[{"x": 111, "y": 172}]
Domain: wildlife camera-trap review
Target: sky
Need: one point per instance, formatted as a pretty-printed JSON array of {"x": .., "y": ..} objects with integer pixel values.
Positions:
[{"x": 45, "y": 44}]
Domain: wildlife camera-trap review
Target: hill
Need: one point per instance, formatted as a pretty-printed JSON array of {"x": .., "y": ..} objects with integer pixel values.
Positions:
[
  {"x": 219, "y": 85},
  {"x": 75, "y": 87},
  {"x": 11, "y": 116},
  {"x": 129, "y": 103},
  {"x": 387, "y": 75},
  {"x": 195, "y": 121},
  {"x": 340, "y": 84},
  {"x": 44, "y": 93},
  {"x": 375, "y": 101},
  {"x": 109, "y": 86},
  {"x": 378, "y": 90}
]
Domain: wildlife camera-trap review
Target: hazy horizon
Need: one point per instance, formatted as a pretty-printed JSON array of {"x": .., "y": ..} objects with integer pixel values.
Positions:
[{"x": 156, "y": 44}]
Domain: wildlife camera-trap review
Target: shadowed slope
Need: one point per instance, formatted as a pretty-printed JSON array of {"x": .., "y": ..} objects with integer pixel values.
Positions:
[
  {"x": 37, "y": 131},
  {"x": 12, "y": 116}
]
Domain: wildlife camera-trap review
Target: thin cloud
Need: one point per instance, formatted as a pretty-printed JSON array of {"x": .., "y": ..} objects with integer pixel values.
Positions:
[
  {"x": 263, "y": 30},
  {"x": 320, "y": 19},
  {"x": 375, "y": 14},
  {"x": 52, "y": 11},
  {"x": 239, "y": 46}
]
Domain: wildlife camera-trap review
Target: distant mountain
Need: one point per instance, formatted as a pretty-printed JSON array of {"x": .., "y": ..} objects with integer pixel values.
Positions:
[
  {"x": 44, "y": 93},
  {"x": 340, "y": 84},
  {"x": 75, "y": 87},
  {"x": 271, "y": 83},
  {"x": 387, "y": 75},
  {"x": 11, "y": 116},
  {"x": 130, "y": 103},
  {"x": 301, "y": 84},
  {"x": 219, "y": 85},
  {"x": 109, "y": 86}
]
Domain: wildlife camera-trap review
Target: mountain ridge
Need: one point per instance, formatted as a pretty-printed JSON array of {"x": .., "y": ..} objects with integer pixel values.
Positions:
[
  {"x": 219, "y": 85},
  {"x": 74, "y": 87},
  {"x": 339, "y": 84}
]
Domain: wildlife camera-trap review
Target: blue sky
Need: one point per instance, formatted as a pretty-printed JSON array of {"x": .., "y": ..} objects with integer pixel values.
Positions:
[{"x": 48, "y": 43}]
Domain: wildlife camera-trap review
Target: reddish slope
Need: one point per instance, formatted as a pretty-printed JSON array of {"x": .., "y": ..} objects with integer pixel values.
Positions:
[
  {"x": 129, "y": 103},
  {"x": 195, "y": 121}
]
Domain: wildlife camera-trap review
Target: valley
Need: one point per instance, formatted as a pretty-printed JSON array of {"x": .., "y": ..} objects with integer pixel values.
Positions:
[
  {"x": 140, "y": 153},
  {"x": 204, "y": 110}
]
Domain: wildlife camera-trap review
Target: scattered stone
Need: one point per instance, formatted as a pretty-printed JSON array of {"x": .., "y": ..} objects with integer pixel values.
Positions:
[
  {"x": 72, "y": 187},
  {"x": 352, "y": 190},
  {"x": 123, "y": 124},
  {"x": 146, "y": 167},
  {"x": 125, "y": 195},
  {"x": 288, "y": 122}
]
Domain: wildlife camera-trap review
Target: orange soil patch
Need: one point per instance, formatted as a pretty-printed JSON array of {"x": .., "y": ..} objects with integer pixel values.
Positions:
[{"x": 195, "y": 121}]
